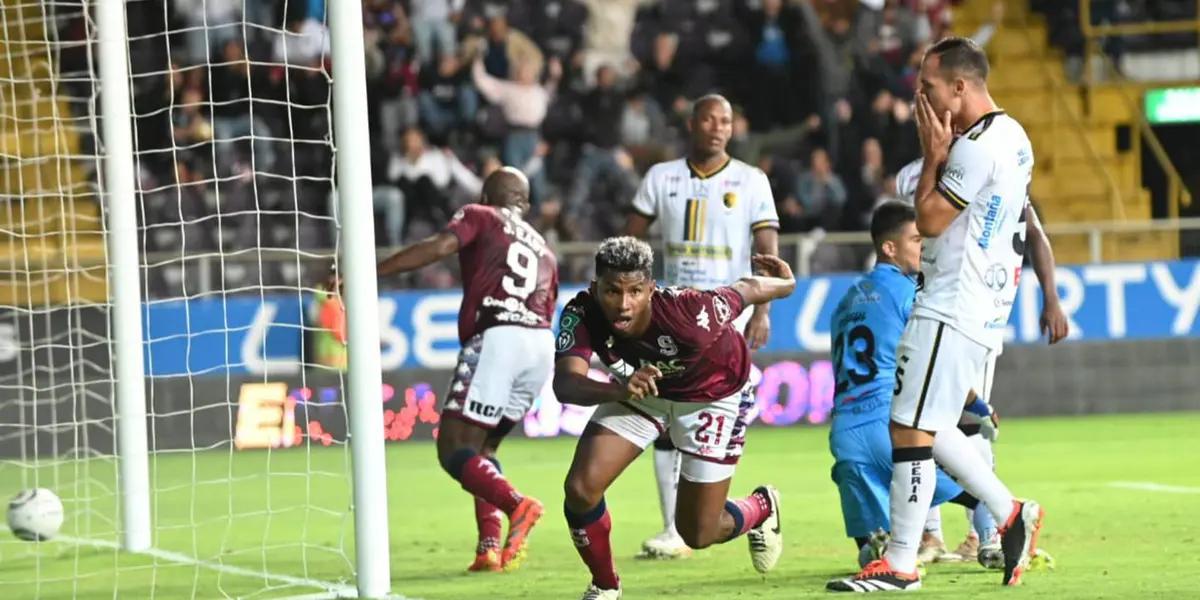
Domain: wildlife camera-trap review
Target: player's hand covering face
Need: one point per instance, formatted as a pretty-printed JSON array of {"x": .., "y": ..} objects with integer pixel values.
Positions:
[{"x": 624, "y": 298}]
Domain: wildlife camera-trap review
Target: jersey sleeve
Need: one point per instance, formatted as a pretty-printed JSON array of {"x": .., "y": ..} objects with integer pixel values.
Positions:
[
  {"x": 573, "y": 338},
  {"x": 762, "y": 203},
  {"x": 967, "y": 170},
  {"x": 467, "y": 223},
  {"x": 707, "y": 310},
  {"x": 907, "y": 178},
  {"x": 645, "y": 202}
]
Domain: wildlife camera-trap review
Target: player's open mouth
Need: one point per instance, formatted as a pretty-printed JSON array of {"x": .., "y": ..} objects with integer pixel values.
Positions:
[{"x": 622, "y": 323}]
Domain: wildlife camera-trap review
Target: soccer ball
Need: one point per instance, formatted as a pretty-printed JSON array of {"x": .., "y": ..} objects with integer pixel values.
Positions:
[{"x": 35, "y": 515}]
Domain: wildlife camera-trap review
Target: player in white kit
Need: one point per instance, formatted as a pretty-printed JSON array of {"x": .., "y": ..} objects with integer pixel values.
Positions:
[
  {"x": 981, "y": 426},
  {"x": 714, "y": 212},
  {"x": 970, "y": 213}
]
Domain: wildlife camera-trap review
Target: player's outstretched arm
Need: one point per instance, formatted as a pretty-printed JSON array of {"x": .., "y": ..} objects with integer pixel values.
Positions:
[
  {"x": 425, "y": 252},
  {"x": 1053, "y": 320},
  {"x": 776, "y": 282},
  {"x": 573, "y": 386}
]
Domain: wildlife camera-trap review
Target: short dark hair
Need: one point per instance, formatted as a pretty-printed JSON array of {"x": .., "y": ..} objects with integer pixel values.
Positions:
[
  {"x": 888, "y": 219},
  {"x": 624, "y": 254},
  {"x": 961, "y": 56},
  {"x": 706, "y": 99}
]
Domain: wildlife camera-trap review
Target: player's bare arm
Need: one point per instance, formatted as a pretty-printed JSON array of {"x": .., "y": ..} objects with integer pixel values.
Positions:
[
  {"x": 1053, "y": 320},
  {"x": 637, "y": 225},
  {"x": 776, "y": 281},
  {"x": 758, "y": 329},
  {"x": 423, "y": 253},
  {"x": 572, "y": 385},
  {"x": 934, "y": 213}
]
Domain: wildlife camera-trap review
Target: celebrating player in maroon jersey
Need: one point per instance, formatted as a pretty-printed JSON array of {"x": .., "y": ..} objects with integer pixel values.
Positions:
[
  {"x": 685, "y": 370},
  {"x": 510, "y": 286}
]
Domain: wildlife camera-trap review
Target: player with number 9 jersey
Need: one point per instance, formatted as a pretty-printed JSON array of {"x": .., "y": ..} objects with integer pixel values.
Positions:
[
  {"x": 510, "y": 286},
  {"x": 509, "y": 275}
]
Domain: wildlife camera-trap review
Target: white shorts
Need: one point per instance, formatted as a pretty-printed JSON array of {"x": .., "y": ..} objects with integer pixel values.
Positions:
[
  {"x": 499, "y": 373},
  {"x": 936, "y": 368},
  {"x": 710, "y": 435}
]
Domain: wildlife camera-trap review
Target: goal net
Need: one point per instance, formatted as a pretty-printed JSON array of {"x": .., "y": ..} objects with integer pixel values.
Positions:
[{"x": 249, "y": 469}]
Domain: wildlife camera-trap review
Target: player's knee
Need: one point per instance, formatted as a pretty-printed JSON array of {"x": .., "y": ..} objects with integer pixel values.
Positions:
[
  {"x": 453, "y": 460},
  {"x": 580, "y": 493},
  {"x": 696, "y": 535}
]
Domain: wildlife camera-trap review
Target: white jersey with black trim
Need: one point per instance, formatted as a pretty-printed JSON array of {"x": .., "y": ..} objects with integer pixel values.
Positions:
[
  {"x": 969, "y": 273},
  {"x": 707, "y": 219}
]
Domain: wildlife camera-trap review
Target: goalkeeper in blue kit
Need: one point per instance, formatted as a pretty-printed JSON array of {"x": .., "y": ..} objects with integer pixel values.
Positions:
[{"x": 866, "y": 326}]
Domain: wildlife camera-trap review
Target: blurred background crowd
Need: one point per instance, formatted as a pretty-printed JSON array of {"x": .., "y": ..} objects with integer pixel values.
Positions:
[{"x": 582, "y": 95}]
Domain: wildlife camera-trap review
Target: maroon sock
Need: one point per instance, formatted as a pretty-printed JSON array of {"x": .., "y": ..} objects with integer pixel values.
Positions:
[
  {"x": 488, "y": 520},
  {"x": 590, "y": 532},
  {"x": 480, "y": 477},
  {"x": 748, "y": 513}
]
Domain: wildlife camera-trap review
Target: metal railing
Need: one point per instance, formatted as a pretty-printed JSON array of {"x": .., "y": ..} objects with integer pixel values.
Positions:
[
  {"x": 1177, "y": 193},
  {"x": 289, "y": 269}
]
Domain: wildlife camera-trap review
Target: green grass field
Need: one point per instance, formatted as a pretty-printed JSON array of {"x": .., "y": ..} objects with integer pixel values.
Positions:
[{"x": 1109, "y": 541}]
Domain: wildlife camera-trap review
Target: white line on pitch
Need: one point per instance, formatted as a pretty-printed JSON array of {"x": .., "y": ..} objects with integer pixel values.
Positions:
[
  {"x": 335, "y": 590},
  {"x": 1150, "y": 486}
]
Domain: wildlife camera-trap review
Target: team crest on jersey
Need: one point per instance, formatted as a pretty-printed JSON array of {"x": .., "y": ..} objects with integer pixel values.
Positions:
[
  {"x": 721, "y": 307},
  {"x": 730, "y": 199},
  {"x": 566, "y": 330},
  {"x": 666, "y": 346}
]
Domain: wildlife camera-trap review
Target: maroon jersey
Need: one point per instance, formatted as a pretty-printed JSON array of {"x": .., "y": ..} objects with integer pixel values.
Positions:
[
  {"x": 509, "y": 275},
  {"x": 691, "y": 339}
]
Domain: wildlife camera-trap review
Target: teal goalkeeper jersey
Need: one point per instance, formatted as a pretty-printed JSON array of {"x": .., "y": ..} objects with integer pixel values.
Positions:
[{"x": 865, "y": 329}]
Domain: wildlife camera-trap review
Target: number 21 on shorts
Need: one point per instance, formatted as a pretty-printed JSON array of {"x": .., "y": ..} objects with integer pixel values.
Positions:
[{"x": 705, "y": 434}]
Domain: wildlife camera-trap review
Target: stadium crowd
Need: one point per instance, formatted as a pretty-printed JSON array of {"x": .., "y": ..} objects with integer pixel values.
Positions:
[{"x": 582, "y": 95}]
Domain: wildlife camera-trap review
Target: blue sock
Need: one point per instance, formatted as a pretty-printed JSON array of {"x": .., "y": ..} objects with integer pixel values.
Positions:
[
  {"x": 739, "y": 520},
  {"x": 983, "y": 523}
]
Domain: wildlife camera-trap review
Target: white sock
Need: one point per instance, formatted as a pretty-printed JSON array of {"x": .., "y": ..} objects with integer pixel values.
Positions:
[
  {"x": 914, "y": 478},
  {"x": 959, "y": 458},
  {"x": 984, "y": 448},
  {"x": 933, "y": 522},
  {"x": 666, "y": 472}
]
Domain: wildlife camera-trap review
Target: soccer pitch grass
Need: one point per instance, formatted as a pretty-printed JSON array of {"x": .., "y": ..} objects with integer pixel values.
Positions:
[{"x": 1121, "y": 493}]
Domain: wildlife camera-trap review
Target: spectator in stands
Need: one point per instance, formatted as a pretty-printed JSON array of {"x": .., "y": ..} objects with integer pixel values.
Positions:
[
  {"x": 866, "y": 187},
  {"x": 644, "y": 131},
  {"x": 304, "y": 44},
  {"x": 505, "y": 49},
  {"x": 749, "y": 146},
  {"x": 524, "y": 103},
  {"x": 232, "y": 115},
  {"x": 779, "y": 66},
  {"x": 433, "y": 25},
  {"x": 820, "y": 191},
  {"x": 190, "y": 125},
  {"x": 446, "y": 101},
  {"x": 391, "y": 76},
  {"x": 558, "y": 27},
  {"x": 429, "y": 178},
  {"x": 602, "y": 157},
  {"x": 670, "y": 82},
  {"x": 209, "y": 25}
]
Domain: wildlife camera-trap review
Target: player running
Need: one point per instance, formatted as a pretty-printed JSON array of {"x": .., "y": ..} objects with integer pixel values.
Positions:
[
  {"x": 971, "y": 214},
  {"x": 714, "y": 211},
  {"x": 865, "y": 329},
  {"x": 685, "y": 370},
  {"x": 510, "y": 287}
]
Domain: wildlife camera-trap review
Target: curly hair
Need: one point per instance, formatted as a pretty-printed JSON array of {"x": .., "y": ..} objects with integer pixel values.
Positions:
[{"x": 624, "y": 254}]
